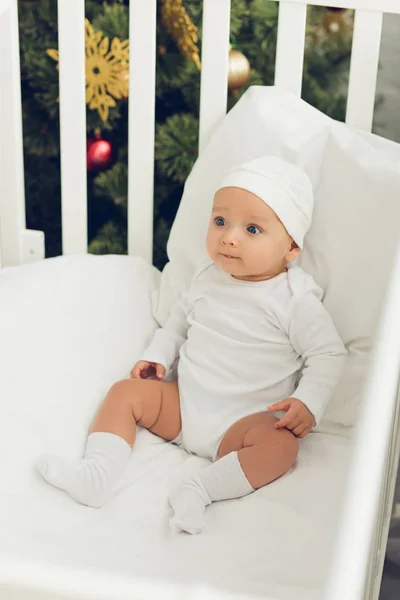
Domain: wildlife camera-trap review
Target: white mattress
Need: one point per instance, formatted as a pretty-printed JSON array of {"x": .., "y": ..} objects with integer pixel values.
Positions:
[{"x": 275, "y": 543}]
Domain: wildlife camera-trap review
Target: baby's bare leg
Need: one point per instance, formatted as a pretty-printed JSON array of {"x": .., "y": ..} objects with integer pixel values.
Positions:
[
  {"x": 252, "y": 454},
  {"x": 90, "y": 480},
  {"x": 153, "y": 405},
  {"x": 264, "y": 453}
]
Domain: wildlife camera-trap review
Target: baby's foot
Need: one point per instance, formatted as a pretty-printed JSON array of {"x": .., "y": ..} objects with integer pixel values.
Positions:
[
  {"x": 91, "y": 479},
  {"x": 189, "y": 503},
  {"x": 82, "y": 479}
]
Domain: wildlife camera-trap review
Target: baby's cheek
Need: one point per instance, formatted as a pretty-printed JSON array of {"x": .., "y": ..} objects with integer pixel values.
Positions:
[
  {"x": 208, "y": 239},
  {"x": 258, "y": 253},
  {"x": 210, "y": 245}
]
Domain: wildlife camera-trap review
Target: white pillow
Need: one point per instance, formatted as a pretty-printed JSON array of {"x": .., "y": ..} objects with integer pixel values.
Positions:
[
  {"x": 350, "y": 248},
  {"x": 357, "y": 184},
  {"x": 69, "y": 328}
]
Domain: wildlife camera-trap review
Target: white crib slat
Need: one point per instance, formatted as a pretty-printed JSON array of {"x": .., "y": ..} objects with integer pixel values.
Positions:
[
  {"x": 12, "y": 194},
  {"x": 368, "y": 489},
  {"x": 364, "y": 69},
  {"x": 214, "y": 66},
  {"x": 71, "y": 45},
  {"x": 386, "y": 6},
  {"x": 142, "y": 71},
  {"x": 290, "y": 46}
]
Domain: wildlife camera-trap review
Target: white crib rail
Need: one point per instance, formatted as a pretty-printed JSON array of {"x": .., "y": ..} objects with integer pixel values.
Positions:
[
  {"x": 17, "y": 245},
  {"x": 385, "y": 6},
  {"x": 142, "y": 69},
  {"x": 33, "y": 580},
  {"x": 71, "y": 46},
  {"x": 364, "y": 69},
  {"x": 290, "y": 46},
  {"x": 214, "y": 70},
  {"x": 359, "y": 552}
]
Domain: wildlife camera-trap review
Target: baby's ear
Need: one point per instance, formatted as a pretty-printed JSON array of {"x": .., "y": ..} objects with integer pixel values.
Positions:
[{"x": 293, "y": 252}]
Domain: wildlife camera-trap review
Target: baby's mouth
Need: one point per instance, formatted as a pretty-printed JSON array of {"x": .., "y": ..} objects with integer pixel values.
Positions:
[{"x": 229, "y": 256}]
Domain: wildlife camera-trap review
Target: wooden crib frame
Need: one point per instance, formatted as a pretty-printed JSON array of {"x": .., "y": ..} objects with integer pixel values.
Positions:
[{"x": 358, "y": 562}]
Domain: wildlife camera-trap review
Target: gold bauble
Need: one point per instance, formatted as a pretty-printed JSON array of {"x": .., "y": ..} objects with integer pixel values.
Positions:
[
  {"x": 337, "y": 20},
  {"x": 238, "y": 71}
]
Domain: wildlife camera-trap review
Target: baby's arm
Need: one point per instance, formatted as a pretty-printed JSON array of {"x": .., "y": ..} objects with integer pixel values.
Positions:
[
  {"x": 315, "y": 338},
  {"x": 167, "y": 341}
]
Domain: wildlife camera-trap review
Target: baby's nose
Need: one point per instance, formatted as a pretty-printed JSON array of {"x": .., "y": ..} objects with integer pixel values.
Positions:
[{"x": 230, "y": 238}]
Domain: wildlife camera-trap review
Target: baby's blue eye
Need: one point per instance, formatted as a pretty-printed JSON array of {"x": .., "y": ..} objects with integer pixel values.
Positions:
[
  {"x": 220, "y": 222},
  {"x": 253, "y": 229}
]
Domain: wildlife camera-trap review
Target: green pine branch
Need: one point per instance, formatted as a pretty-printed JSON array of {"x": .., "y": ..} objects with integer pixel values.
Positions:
[{"x": 176, "y": 146}]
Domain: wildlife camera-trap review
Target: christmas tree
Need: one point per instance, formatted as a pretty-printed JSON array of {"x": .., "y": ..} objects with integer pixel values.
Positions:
[{"x": 252, "y": 58}]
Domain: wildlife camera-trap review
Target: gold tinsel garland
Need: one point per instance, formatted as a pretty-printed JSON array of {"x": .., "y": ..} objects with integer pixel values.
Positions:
[{"x": 178, "y": 24}]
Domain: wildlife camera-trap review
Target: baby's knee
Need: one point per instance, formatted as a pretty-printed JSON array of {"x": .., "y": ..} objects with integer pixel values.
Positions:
[
  {"x": 141, "y": 396},
  {"x": 126, "y": 391},
  {"x": 282, "y": 449},
  {"x": 280, "y": 443},
  {"x": 119, "y": 388},
  {"x": 272, "y": 454}
]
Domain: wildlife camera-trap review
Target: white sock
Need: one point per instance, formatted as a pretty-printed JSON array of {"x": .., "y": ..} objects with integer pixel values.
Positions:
[
  {"x": 89, "y": 480},
  {"x": 223, "y": 480}
]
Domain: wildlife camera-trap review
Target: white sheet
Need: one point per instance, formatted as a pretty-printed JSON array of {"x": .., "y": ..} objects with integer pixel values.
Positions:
[
  {"x": 68, "y": 329},
  {"x": 275, "y": 543}
]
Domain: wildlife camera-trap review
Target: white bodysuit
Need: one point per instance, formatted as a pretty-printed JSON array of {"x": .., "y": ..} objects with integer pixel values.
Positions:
[{"x": 243, "y": 346}]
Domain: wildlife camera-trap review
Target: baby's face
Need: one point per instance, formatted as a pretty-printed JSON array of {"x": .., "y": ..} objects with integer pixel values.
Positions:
[{"x": 246, "y": 238}]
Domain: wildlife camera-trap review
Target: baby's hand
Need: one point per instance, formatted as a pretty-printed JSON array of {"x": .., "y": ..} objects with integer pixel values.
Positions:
[
  {"x": 298, "y": 418},
  {"x": 144, "y": 369}
]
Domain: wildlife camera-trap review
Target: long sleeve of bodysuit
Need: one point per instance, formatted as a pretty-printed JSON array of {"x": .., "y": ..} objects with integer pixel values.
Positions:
[
  {"x": 316, "y": 340},
  {"x": 166, "y": 343}
]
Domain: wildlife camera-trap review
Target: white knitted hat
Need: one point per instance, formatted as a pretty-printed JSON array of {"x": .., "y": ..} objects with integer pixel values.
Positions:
[{"x": 283, "y": 186}]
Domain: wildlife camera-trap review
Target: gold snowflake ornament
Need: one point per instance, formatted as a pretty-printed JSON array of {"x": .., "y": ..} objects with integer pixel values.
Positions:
[{"x": 107, "y": 70}]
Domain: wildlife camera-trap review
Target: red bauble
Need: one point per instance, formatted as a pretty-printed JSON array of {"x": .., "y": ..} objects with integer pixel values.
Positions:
[{"x": 99, "y": 154}]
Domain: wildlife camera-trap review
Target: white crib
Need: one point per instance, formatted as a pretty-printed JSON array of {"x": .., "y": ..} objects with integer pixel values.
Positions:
[{"x": 359, "y": 553}]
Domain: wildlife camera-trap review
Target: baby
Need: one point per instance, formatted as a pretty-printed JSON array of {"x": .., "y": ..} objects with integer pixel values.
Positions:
[{"x": 259, "y": 357}]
